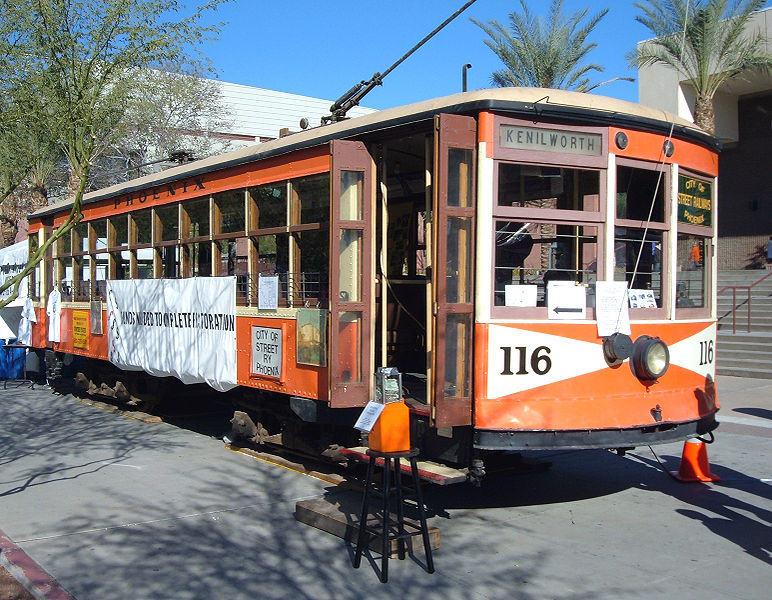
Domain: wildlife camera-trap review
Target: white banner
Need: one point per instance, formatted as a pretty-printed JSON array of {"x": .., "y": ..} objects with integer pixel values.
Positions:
[{"x": 185, "y": 328}]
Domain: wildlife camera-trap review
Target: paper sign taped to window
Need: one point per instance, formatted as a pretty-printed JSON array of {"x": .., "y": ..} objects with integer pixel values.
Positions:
[
  {"x": 642, "y": 299},
  {"x": 566, "y": 300},
  {"x": 611, "y": 308},
  {"x": 520, "y": 295}
]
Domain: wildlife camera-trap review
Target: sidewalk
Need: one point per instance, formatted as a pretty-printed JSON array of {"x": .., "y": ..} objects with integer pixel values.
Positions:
[{"x": 114, "y": 508}]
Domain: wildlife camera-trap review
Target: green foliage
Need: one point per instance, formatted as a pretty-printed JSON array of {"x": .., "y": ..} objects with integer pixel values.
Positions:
[
  {"x": 705, "y": 41},
  {"x": 539, "y": 53},
  {"x": 68, "y": 68}
]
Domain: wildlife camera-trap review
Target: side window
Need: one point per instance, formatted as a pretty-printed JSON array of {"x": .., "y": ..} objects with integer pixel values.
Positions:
[
  {"x": 694, "y": 248},
  {"x": 289, "y": 234}
]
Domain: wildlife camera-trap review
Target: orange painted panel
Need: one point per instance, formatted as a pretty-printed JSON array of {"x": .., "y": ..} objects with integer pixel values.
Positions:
[
  {"x": 299, "y": 380},
  {"x": 649, "y": 146},
  {"x": 96, "y": 346},
  {"x": 310, "y": 161},
  {"x": 611, "y": 399},
  {"x": 347, "y": 363},
  {"x": 391, "y": 432},
  {"x": 580, "y": 390},
  {"x": 307, "y": 381},
  {"x": 486, "y": 132}
]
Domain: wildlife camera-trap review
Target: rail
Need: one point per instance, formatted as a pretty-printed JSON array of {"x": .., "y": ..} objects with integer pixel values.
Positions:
[
  {"x": 295, "y": 290},
  {"x": 735, "y": 306}
]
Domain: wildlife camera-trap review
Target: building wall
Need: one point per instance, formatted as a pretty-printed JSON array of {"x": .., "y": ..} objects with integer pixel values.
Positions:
[
  {"x": 743, "y": 112},
  {"x": 745, "y": 188},
  {"x": 260, "y": 114}
]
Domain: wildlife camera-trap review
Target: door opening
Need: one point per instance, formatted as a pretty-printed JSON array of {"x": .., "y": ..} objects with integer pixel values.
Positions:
[{"x": 404, "y": 272}]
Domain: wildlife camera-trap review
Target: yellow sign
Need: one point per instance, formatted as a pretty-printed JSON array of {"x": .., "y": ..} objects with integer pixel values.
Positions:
[{"x": 81, "y": 320}]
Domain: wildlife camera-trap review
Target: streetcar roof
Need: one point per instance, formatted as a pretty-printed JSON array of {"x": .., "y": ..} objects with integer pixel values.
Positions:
[{"x": 564, "y": 105}]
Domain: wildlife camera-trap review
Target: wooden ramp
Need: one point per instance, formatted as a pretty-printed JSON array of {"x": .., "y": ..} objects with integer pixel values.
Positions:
[{"x": 338, "y": 513}]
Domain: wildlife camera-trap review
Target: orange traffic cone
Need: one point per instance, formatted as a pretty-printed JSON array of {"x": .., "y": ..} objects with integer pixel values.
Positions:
[{"x": 694, "y": 463}]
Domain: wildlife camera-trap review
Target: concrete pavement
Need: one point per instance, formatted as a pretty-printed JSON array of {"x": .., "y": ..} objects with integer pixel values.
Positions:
[{"x": 115, "y": 508}]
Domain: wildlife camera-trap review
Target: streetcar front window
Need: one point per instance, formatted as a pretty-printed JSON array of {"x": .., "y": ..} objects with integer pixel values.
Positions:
[
  {"x": 691, "y": 275},
  {"x": 531, "y": 255},
  {"x": 640, "y": 234},
  {"x": 640, "y": 194},
  {"x": 638, "y": 259},
  {"x": 547, "y": 187}
]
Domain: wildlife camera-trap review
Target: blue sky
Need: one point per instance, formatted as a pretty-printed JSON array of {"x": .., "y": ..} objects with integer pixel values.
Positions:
[{"x": 320, "y": 49}]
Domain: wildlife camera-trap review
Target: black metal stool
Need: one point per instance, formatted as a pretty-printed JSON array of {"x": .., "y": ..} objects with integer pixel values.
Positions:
[{"x": 383, "y": 528}]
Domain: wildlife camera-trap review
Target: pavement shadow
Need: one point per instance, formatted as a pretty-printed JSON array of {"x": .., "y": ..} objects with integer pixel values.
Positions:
[
  {"x": 240, "y": 540},
  {"x": 568, "y": 476},
  {"x": 763, "y": 413},
  {"x": 725, "y": 515},
  {"x": 40, "y": 426}
]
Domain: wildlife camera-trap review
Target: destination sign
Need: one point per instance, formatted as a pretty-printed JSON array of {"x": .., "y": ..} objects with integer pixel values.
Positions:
[
  {"x": 550, "y": 140},
  {"x": 695, "y": 201}
]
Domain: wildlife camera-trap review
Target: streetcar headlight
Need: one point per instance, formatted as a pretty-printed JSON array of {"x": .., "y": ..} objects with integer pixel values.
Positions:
[
  {"x": 650, "y": 359},
  {"x": 617, "y": 347}
]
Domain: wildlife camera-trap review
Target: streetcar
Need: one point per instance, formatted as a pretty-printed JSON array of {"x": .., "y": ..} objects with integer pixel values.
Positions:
[{"x": 538, "y": 264}]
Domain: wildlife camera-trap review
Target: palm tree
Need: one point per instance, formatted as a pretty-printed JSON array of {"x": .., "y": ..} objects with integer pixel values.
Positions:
[
  {"x": 706, "y": 44},
  {"x": 539, "y": 54}
]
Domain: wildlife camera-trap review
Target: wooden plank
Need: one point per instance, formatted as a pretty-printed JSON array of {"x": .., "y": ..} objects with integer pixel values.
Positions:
[
  {"x": 339, "y": 515},
  {"x": 427, "y": 470}
]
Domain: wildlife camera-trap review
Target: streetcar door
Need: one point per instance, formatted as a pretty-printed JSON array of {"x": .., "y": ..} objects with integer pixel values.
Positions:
[
  {"x": 453, "y": 272},
  {"x": 352, "y": 284}
]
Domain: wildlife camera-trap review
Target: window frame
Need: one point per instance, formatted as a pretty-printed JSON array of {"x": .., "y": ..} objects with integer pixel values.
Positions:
[
  {"x": 552, "y": 216},
  {"x": 708, "y": 233},
  {"x": 643, "y": 314}
]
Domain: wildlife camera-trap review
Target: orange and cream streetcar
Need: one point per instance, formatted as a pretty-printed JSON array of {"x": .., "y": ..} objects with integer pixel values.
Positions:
[{"x": 538, "y": 264}]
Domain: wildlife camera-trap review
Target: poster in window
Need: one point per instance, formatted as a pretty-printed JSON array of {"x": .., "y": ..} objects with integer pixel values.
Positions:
[{"x": 312, "y": 337}]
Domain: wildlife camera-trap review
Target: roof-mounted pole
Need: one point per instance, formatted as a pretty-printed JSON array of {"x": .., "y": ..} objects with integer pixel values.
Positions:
[{"x": 353, "y": 96}]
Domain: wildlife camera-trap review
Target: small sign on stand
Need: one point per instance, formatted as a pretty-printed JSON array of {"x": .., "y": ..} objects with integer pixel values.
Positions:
[
  {"x": 369, "y": 416},
  {"x": 386, "y": 417}
]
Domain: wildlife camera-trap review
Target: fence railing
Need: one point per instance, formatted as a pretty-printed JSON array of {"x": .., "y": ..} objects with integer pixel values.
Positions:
[{"x": 747, "y": 301}]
